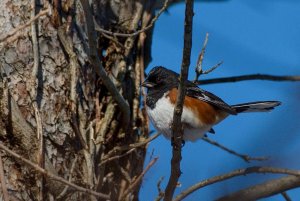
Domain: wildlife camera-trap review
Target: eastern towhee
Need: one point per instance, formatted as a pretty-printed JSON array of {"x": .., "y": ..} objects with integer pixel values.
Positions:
[{"x": 202, "y": 109}]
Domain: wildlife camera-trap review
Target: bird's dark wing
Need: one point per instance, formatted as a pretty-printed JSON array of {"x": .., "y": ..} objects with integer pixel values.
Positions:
[{"x": 195, "y": 92}]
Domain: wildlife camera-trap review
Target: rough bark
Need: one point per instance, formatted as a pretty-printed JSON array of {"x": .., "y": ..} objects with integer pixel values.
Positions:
[{"x": 81, "y": 123}]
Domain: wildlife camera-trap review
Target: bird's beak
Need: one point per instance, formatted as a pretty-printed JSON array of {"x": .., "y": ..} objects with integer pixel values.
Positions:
[{"x": 148, "y": 84}]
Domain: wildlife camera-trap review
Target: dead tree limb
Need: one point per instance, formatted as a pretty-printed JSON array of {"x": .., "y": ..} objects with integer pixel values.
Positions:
[
  {"x": 266, "y": 189},
  {"x": 94, "y": 58},
  {"x": 52, "y": 176},
  {"x": 238, "y": 172},
  {"x": 177, "y": 126},
  {"x": 248, "y": 77}
]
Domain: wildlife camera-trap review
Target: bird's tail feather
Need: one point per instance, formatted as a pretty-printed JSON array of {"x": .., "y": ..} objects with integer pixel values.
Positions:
[{"x": 261, "y": 106}]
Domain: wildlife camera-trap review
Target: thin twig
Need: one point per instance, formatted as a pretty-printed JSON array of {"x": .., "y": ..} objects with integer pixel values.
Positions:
[
  {"x": 113, "y": 38},
  {"x": 67, "y": 44},
  {"x": 34, "y": 75},
  {"x": 212, "y": 68},
  {"x": 177, "y": 126},
  {"x": 36, "y": 52},
  {"x": 95, "y": 61},
  {"x": 104, "y": 161},
  {"x": 27, "y": 24},
  {"x": 99, "y": 29},
  {"x": 245, "y": 157},
  {"x": 33, "y": 90},
  {"x": 198, "y": 68},
  {"x": 238, "y": 172},
  {"x": 128, "y": 148},
  {"x": 286, "y": 196},
  {"x": 3, "y": 182},
  {"x": 63, "y": 192},
  {"x": 200, "y": 71},
  {"x": 160, "y": 192},
  {"x": 52, "y": 176},
  {"x": 248, "y": 77},
  {"x": 118, "y": 149},
  {"x": 135, "y": 183},
  {"x": 143, "y": 143},
  {"x": 140, "y": 66}
]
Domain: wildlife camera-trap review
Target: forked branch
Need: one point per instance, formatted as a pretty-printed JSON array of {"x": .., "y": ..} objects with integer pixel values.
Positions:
[
  {"x": 235, "y": 173},
  {"x": 94, "y": 59}
]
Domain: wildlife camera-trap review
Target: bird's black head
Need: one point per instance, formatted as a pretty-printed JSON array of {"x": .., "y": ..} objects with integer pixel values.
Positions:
[{"x": 160, "y": 78}]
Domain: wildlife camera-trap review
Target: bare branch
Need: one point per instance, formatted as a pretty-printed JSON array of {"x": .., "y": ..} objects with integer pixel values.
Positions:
[
  {"x": 238, "y": 172},
  {"x": 177, "y": 126},
  {"x": 67, "y": 44},
  {"x": 99, "y": 29},
  {"x": 3, "y": 182},
  {"x": 198, "y": 68},
  {"x": 266, "y": 189},
  {"x": 128, "y": 148},
  {"x": 245, "y": 157},
  {"x": 136, "y": 182},
  {"x": 212, "y": 68},
  {"x": 33, "y": 85},
  {"x": 145, "y": 142},
  {"x": 95, "y": 61},
  {"x": 248, "y": 77},
  {"x": 106, "y": 160},
  {"x": 199, "y": 71},
  {"x": 64, "y": 191},
  {"x": 52, "y": 176},
  {"x": 286, "y": 196},
  {"x": 160, "y": 192}
]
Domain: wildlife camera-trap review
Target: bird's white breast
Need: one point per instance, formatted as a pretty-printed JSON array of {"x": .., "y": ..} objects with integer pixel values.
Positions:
[{"x": 162, "y": 116}]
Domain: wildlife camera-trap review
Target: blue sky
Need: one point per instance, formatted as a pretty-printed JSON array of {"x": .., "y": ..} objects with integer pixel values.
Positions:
[{"x": 250, "y": 36}]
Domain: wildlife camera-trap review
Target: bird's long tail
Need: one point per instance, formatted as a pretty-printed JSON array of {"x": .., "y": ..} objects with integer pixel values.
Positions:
[{"x": 261, "y": 106}]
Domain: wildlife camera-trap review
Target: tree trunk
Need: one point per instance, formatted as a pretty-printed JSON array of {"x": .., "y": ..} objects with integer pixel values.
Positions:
[{"x": 56, "y": 109}]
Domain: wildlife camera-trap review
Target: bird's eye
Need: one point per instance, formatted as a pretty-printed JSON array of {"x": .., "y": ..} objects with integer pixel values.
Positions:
[{"x": 158, "y": 79}]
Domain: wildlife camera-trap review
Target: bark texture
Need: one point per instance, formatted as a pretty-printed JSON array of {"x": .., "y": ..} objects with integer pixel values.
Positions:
[{"x": 55, "y": 109}]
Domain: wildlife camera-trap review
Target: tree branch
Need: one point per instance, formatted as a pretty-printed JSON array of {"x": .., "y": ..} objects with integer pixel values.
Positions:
[
  {"x": 3, "y": 182},
  {"x": 177, "y": 126},
  {"x": 238, "y": 172},
  {"x": 266, "y": 189},
  {"x": 99, "y": 29},
  {"x": 34, "y": 82},
  {"x": 118, "y": 149},
  {"x": 286, "y": 196},
  {"x": 245, "y": 157},
  {"x": 52, "y": 176},
  {"x": 248, "y": 77},
  {"x": 95, "y": 61},
  {"x": 198, "y": 68},
  {"x": 136, "y": 182}
]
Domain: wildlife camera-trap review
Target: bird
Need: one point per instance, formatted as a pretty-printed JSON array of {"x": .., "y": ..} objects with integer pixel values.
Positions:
[{"x": 201, "y": 109}]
